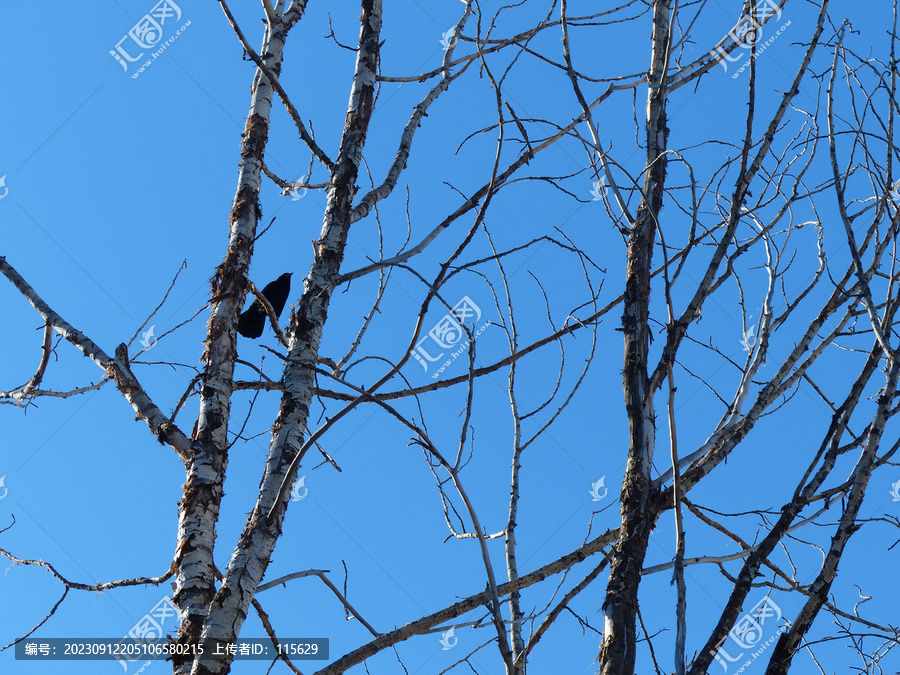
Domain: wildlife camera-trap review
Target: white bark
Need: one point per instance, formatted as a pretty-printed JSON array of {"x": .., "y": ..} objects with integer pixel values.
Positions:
[
  {"x": 251, "y": 556},
  {"x": 199, "y": 513}
]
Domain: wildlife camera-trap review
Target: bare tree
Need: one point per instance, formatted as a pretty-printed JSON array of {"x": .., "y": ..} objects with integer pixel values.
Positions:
[{"x": 785, "y": 211}]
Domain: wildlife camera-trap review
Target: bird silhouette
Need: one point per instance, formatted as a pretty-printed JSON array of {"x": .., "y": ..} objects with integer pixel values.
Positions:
[{"x": 253, "y": 320}]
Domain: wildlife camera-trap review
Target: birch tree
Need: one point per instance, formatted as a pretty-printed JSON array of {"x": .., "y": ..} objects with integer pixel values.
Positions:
[{"x": 784, "y": 211}]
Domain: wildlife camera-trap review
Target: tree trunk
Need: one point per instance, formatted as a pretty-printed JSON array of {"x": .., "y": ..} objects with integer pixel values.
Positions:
[
  {"x": 252, "y": 554},
  {"x": 617, "y": 653}
]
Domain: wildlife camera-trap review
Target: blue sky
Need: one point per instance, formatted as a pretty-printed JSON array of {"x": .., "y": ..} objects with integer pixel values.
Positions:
[{"x": 114, "y": 181}]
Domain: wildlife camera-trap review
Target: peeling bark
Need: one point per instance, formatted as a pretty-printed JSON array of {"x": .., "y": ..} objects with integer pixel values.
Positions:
[
  {"x": 199, "y": 506},
  {"x": 617, "y": 652},
  {"x": 228, "y": 609}
]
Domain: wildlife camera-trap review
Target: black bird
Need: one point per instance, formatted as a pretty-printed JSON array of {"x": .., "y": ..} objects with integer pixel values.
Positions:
[{"x": 253, "y": 320}]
